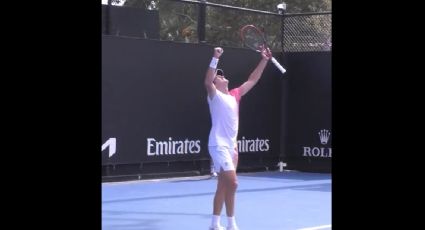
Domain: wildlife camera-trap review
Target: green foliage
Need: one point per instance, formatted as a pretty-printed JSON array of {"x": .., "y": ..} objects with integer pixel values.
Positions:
[{"x": 178, "y": 21}]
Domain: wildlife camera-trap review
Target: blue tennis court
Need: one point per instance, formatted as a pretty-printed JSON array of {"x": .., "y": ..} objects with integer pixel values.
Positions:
[{"x": 288, "y": 200}]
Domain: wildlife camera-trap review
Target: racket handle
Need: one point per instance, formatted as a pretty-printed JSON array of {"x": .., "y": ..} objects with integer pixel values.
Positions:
[{"x": 283, "y": 70}]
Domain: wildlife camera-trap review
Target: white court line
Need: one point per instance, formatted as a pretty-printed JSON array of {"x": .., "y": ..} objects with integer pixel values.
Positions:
[
  {"x": 317, "y": 227},
  {"x": 194, "y": 178}
]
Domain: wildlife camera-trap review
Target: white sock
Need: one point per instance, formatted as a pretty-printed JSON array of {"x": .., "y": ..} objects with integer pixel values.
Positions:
[
  {"x": 231, "y": 221},
  {"x": 215, "y": 221}
]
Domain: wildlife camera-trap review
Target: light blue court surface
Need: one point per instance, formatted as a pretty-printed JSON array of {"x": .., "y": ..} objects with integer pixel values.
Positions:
[{"x": 286, "y": 200}]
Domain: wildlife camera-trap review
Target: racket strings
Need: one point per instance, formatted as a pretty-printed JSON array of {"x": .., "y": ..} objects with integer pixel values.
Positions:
[{"x": 253, "y": 39}]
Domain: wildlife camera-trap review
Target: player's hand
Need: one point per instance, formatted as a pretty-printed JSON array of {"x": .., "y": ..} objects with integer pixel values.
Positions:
[
  {"x": 266, "y": 54},
  {"x": 218, "y": 51}
]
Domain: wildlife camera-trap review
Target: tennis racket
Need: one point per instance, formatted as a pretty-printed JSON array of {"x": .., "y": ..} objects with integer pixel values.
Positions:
[{"x": 254, "y": 39}]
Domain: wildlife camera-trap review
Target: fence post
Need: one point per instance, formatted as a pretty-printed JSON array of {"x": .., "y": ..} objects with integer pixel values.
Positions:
[
  {"x": 281, "y": 9},
  {"x": 107, "y": 17},
  {"x": 201, "y": 21}
]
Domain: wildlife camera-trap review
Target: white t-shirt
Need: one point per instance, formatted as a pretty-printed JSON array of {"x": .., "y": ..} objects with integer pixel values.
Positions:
[{"x": 224, "y": 110}]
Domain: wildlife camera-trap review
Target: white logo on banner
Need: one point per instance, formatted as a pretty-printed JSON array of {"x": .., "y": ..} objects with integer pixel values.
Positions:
[
  {"x": 172, "y": 147},
  {"x": 112, "y": 144},
  {"x": 253, "y": 145},
  {"x": 324, "y": 136}
]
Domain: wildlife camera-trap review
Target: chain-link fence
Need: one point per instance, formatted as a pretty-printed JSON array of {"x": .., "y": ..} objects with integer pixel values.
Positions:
[
  {"x": 193, "y": 21},
  {"x": 308, "y": 32}
]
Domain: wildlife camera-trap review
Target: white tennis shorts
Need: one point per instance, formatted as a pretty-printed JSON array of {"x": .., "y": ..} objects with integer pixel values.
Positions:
[{"x": 222, "y": 158}]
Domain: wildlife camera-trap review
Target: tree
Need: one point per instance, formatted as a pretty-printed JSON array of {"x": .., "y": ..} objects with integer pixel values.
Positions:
[{"x": 178, "y": 21}]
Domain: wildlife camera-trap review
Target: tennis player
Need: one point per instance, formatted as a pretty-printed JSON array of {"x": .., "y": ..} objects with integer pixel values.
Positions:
[{"x": 222, "y": 145}]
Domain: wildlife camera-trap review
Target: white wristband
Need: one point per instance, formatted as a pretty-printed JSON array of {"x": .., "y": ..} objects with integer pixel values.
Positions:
[{"x": 214, "y": 63}]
